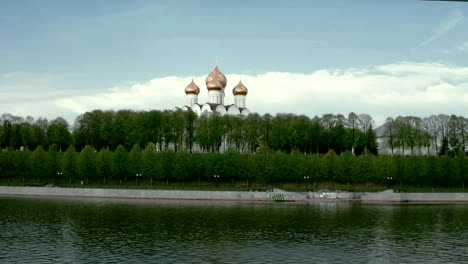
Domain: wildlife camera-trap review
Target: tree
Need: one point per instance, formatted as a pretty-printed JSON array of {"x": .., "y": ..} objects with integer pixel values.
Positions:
[
  {"x": 334, "y": 132},
  {"x": 42, "y": 124},
  {"x": 371, "y": 141},
  {"x": 315, "y": 133},
  {"x": 443, "y": 131},
  {"x": 5, "y": 134},
  {"x": 353, "y": 121},
  {"x": 70, "y": 164},
  {"x": 432, "y": 128},
  {"x": 190, "y": 124},
  {"x": 265, "y": 128},
  {"x": 236, "y": 133},
  {"x": 149, "y": 162},
  {"x": 210, "y": 132},
  {"x": 55, "y": 162},
  {"x": 104, "y": 164},
  {"x": 457, "y": 133},
  {"x": 38, "y": 135},
  {"x": 389, "y": 133},
  {"x": 58, "y": 133},
  {"x": 367, "y": 171},
  {"x": 327, "y": 166},
  {"x": 87, "y": 163},
  {"x": 300, "y": 133},
  {"x": 119, "y": 163},
  {"x": 178, "y": 128},
  {"x": 168, "y": 130},
  {"x": 368, "y": 141},
  {"x": 16, "y": 139},
  {"x": 252, "y": 132},
  {"x": 165, "y": 165},
  {"x": 202, "y": 136},
  {"x": 345, "y": 169},
  {"x": 121, "y": 128},
  {"x": 39, "y": 163},
  {"x": 134, "y": 161},
  {"x": 152, "y": 128},
  {"x": 181, "y": 170}
]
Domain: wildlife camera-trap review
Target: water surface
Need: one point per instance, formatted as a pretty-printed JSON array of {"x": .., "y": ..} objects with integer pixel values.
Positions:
[{"x": 59, "y": 230}]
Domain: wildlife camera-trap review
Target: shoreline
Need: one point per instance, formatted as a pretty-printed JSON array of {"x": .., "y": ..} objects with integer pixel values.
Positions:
[{"x": 276, "y": 195}]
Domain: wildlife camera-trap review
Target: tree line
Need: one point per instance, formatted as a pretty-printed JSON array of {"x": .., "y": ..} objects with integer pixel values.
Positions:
[
  {"x": 436, "y": 134},
  {"x": 149, "y": 167},
  {"x": 174, "y": 146},
  {"x": 185, "y": 131}
]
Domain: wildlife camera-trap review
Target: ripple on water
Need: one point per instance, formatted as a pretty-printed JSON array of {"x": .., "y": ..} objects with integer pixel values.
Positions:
[{"x": 96, "y": 231}]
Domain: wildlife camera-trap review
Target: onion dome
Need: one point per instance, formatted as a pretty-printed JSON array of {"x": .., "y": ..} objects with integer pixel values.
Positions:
[
  {"x": 214, "y": 85},
  {"x": 240, "y": 89},
  {"x": 192, "y": 88},
  {"x": 218, "y": 76}
]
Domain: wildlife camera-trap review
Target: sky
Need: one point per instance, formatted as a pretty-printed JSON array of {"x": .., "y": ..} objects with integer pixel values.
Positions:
[{"x": 61, "y": 58}]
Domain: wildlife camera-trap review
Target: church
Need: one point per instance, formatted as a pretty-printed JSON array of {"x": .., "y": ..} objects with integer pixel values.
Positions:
[{"x": 216, "y": 84}]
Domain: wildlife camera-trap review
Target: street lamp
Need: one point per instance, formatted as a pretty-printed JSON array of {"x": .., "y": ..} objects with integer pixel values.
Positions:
[
  {"x": 136, "y": 178},
  {"x": 59, "y": 174},
  {"x": 216, "y": 176},
  {"x": 389, "y": 180},
  {"x": 306, "y": 179}
]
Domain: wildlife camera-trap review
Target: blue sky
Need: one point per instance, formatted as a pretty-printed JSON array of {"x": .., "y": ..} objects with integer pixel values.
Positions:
[{"x": 59, "y": 58}]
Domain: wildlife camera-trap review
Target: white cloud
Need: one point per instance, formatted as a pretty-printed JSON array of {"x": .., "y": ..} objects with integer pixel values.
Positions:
[
  {"x": 453, "y": 19},
  {"x": 404, "y": 88}
]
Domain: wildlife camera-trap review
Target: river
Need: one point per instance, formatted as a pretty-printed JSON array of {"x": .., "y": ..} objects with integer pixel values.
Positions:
[{"x": 85, "y": 230}]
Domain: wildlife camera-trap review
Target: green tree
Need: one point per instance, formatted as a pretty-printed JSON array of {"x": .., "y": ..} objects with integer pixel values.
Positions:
[
  {"x": 353, "y": 121},
  {"x": 39, "y": 164},
  {"x": 104, "y": 164},
  {"x": 190, "y": 125},
  {"x": 120, "y": 163},
  {"x": 251, "y": 134},
  {"x": 87, "y": 164},
  {"x": 70, "y": 164},
  {"x": 149, "y": 162},
  {"x": 55, "y": 162},
  {"x": 134, "y": 162},
  {"x": 5, "y": 134},
  {"x": 16, "y": 139},
  {"x": 181, "y": 169},
  {"x": 178, "y": 129},
  {"x": 389, "y": 134},
  {"x": 58, "y": 133}
]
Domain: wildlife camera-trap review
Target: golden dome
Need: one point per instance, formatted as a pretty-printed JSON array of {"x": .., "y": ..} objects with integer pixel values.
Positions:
[
  {"x": 218, "y": 76},
  {"x": 240, "y": 89},
  {"x": 192, "y": 88},
  {"x": 214, "y": 85}
]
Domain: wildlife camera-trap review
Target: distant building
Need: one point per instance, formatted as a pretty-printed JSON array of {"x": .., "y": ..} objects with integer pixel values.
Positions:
[{"x": 216, "y": 83}]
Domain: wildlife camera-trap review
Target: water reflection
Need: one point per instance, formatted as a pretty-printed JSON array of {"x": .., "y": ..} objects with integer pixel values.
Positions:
[{"x": 135, "y": 231}]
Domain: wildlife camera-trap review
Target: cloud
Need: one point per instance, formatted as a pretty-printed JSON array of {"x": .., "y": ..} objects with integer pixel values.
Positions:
[
  {"x": 386, "y": 90},
  {"x": 454, "y": 18},
  {"x": 405, "y": 88}
]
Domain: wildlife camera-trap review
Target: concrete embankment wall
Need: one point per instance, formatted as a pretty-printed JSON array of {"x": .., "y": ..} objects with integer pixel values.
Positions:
[
  {"x": 139, "y": 194},
  {"x": 275, "y": 195},
  {"x": 390, "y": 196}
]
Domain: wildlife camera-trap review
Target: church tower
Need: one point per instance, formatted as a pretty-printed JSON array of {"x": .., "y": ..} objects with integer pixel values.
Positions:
[
  {"x": 240, "y": 92},
  {"x": 192, "y": 91},
  {"x": 215, "y": 83}
]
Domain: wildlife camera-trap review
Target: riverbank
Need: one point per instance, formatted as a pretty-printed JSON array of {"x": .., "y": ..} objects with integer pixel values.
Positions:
[{"x": 274, "y": 195}]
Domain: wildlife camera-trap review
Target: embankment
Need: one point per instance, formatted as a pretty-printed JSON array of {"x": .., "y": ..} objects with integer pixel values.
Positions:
[
  {"x": 275, "y": 195},
  {"x": 146, "y": 194}
]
